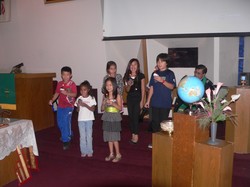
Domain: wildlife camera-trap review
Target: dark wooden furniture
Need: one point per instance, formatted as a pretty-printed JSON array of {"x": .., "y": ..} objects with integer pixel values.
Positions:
[
  {"x": 186, "y": 133},
  {"x": 162, "y": 159},
  {"x": 213, "y": 165},
  {"x": 240, "y": 134},
  {"x": 33, "y": 92},
  {"x": 26, "y": 138},
  {"x": 185, "y": 159}
]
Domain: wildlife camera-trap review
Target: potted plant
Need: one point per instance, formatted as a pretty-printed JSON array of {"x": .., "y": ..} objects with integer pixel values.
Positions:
[{"x": 216, "y": 108}]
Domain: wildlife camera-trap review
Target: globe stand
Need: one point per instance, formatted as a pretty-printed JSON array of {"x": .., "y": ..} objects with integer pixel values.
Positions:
[{"x": 190, "y": 111}]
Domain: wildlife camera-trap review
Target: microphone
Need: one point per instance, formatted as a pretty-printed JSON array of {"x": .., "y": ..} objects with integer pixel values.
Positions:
[
  {"x": 18, "y": 65},
  {"x": 17, "y": 68}
]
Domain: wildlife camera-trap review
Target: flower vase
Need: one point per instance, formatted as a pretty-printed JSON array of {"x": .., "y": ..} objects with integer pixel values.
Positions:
[{"x": 213, "y": 131}]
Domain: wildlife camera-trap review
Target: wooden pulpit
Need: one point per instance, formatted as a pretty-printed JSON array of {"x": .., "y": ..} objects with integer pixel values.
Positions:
[
  {"x": 162, "y": 159},
  {"x": 186, "y": 133},
  {"x": 186, "y": 160},
  {"x": 173, "y": 157},
  {"x": 240, "y": 134},
  {"x": 213, "y": 165},
  {"x": 27, "y": 95}
]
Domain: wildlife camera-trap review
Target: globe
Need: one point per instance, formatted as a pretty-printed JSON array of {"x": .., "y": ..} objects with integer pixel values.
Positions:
[{"x": 190, "y": 89}]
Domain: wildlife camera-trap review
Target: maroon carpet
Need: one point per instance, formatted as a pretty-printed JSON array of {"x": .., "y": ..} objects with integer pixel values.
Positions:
[
  {"x": 241, "y": 170},
  {"x": 68, "y": 169}
]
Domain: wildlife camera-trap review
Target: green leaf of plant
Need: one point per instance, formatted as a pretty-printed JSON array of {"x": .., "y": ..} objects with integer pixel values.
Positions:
[{"x": 221, "y": 117}]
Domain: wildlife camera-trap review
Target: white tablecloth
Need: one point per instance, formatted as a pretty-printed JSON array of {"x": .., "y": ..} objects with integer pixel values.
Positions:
[{"x": 20, "y": 132}]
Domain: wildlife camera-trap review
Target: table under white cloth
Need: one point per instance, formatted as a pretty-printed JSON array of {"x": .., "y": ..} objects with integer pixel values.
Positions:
[{"x": 18, "y": 133}]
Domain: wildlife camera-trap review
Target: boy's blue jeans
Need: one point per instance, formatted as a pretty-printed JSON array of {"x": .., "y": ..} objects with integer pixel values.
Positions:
[
  {"x": 64, "y": 116},
  {"x": 85, "y": 129}
]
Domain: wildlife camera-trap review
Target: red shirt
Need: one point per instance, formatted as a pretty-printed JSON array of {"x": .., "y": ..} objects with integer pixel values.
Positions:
[{"x": 63, "y": 100}]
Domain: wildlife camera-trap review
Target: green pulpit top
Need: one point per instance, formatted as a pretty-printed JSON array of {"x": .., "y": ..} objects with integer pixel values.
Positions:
[{"x": 7, "y": 89}]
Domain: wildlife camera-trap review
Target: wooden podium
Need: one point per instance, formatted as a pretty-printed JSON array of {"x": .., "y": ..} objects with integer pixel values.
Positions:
[
  {"x": 182, "y": 160},
  {"x": 213, "y": 165},
  {"x": 240, "y": 134},
  {"x": 186, "y": 133},
  {"x": 32, "y": 94},
  {"x": 162, "y": 159}
]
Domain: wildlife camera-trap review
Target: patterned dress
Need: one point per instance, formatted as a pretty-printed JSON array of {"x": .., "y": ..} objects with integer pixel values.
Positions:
[{"x": 111, "y": 124}]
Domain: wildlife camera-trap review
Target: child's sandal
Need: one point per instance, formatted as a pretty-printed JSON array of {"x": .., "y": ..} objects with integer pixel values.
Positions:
[
  {"x": 83, "y": 155},
  {"x": 117, "y": 158},
  {"x": 110, "y": 157}
]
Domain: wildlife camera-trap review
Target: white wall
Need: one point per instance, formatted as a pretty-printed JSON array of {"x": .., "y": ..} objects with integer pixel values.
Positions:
[
  {"x": 229, "y": 48},
  {"x": 122, "y": 51},
  {"x": 205, "y": 56},
  {"x": 220, "y": 55},
  {"x": 46, "y": 37}
]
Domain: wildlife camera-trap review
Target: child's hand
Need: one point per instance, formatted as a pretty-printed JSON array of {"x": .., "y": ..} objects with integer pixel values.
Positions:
[
  {"x": 64, "y": 92},
  {"x": 130, "y": 82},
  {"x": 79, "y": 102},
  {"x": 146, "y": 105},
  {"x": 158, "y": 78},
  {"x": 84, "y": 104},
  {"x": 50, "y": 102},
  {"x": 109, "y": 101}
]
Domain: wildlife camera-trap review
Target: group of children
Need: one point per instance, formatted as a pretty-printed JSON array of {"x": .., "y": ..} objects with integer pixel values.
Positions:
[{"x": 159, "y": 99}]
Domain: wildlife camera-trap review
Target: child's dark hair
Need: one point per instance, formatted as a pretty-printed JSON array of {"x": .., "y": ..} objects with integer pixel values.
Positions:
[
  {"x": 163, "y": 57},
  {"x": 128, "y": 71},
  {"x": 202, "y": 67},
  {"x": 88, "y": 86},
  {"x": 109, "y": 64},
  {"x": 66, "y": 69},
  {"x": 114, "y": 84}
]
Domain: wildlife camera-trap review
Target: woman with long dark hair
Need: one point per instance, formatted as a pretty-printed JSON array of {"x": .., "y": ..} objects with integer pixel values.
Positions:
[{"x": 134, "y": 82}]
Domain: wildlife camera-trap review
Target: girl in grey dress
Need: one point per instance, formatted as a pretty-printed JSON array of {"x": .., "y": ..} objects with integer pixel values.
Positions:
[{"x": 111, "y": 106}]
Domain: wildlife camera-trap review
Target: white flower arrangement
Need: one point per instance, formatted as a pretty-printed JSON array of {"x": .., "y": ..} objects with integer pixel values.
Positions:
[{"x": 216, "y": 108}]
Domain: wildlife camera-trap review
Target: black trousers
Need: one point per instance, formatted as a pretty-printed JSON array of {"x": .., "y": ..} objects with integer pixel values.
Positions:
[
  {"x": 133, "y": 113},
  {"x": 158, "y": 115}
]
